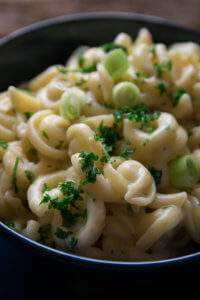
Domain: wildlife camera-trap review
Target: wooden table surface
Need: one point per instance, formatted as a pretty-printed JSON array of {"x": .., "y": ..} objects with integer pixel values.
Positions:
[{"x": 16, "y": 14}]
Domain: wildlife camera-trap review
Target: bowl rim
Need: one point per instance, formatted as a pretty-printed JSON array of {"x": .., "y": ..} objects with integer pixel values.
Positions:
[{"x": 113, "y": 15}]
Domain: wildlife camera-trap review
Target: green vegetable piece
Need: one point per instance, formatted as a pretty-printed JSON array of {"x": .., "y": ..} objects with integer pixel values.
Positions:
[
  {"x": 126, "y": 94},
  {"x": 72, "y": 103},
  {"x": 3, "y": 145},
  {"x": 116, "y": 63},
  {"x": 183, "y": 172}
]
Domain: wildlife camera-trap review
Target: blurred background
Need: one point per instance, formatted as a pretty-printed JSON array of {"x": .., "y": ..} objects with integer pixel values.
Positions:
[{"x": 15, "y": 14}]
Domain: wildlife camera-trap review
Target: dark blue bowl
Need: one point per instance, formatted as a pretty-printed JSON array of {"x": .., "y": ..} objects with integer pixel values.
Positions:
[{"x": 25, "y": 264}]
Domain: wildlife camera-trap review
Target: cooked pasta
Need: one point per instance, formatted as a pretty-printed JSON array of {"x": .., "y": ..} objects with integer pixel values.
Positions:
[{"x": 100, "y": 157}]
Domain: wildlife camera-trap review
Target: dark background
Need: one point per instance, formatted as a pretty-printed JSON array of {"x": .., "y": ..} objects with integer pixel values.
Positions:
[{"x": 16, "y": 14}]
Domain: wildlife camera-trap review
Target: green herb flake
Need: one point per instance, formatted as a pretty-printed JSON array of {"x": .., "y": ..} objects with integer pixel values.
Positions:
[
  {"x": 105, "y": 158},
  {"x": 30, "y": 175},
  {"x": 190, "y": 133},
  {"x": 141, "y": 75},
  {"x": 3, "y": 145},
  {"x": 43, "y": 231},
  {"x": 81, "y": 82},
  {"x": 45, "y": 134},
  {"x": 153, "y": 50},
  {"x": 45, "y": 188},
  {"x": 87, "y": 165},
  {"x": 65, "y": 71},
  {"x": 127, "y": 152},
  {"x": 28, "y": 115},
  {"x": 108, "y": 136},
  {"x": 128, "y": 143},
  {"x": 108, "y": 106},
  {"x": 61, "y": 234},
  {"x": 32, "y": 151},
  {"x": 160, "y": 68},
  {"x": 175, "y": 96},
  {"x": 157, "y": 175},
  {"x": 72, "y": 244},
  {"x": 150, "y": 130},
  {"x": 10, "y": 224},
  {"x": 14, "y": 175},
  {"x": 111, "y": 46},
  {"x": 161, "y": 87},
  {"x": 140, "y": 114},
  {"x": 86, "y": 69},
  {"x": 59, "y": 145}
]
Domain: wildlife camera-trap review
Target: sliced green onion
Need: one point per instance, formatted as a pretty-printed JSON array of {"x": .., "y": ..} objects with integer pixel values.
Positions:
[
  {"x": 126, "y": 94},
  {"x": 72, "y": 103},
  {"x": 116, "y": 63},
  {"x": 183, "y": 172}
]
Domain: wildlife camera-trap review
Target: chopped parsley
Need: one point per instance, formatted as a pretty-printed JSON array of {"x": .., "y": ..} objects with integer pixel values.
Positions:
[
  {"x": 71, "y": 194},
  {"x": 87, "y": 165},
  {"x": 141, "y": 75},
  {"x": 86, "y": 69},
  {"x": 108, "y": 106},
  {"x": 175, "y": 96},
  {"x": 127, "y": 152},
  {"x": 157, "y": 175},
  {"x": 43, "y": 231},
  {"x": 64, "y": 71},
  {"x": 108, "y": 136},
  {"x": 28, "y": 115},
  {"x": 160, "y": 68},
  {"x": 111, "y": 46},
  {"x": 80, "y": 82},
  {"x": 72, "y": 244},
  {"x": 45, "y": 134},
  {"x": 61, "y": 234},
  {"x": 30, "y": 175},
  {"x": 161, "y": 87},
  {"x": 153, "y": 50},
  {"x": 140, "y": 114},
  {"x": 105, "y": 158},
  {"x": 150, "y": 130},
  {"x": 45, "y": 188},
  {"x": 3, "y": 144},
  {"x": 59, "y": 145},
  {"x": 14, "y": 175},
  {"x": 10, "y": 224},
  {"x": 128, "y": 143}
]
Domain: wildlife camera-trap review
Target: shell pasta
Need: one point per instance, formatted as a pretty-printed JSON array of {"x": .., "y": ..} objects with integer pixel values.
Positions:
[{"x": 100, "y": 157}]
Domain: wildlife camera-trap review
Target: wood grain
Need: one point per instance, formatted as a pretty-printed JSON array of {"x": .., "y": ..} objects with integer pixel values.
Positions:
[{"x": 16, "y": 14}]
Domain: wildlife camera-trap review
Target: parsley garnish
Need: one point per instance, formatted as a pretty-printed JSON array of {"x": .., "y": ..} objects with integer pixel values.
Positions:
[
  {"x": 45, "y": 188},
  {"x": 111, "y": 46},
  {"x": 14, "y": 177},
  {"x": 87, "y": 165},
  {"x": 161, "y": 87},
  {"x": 73, "y": 242},
  {"x": 86, "y": 69},
  {"x": 45, "y": 134},
  {"x": 140, "y": 114},
  {"x": 64, "y": 71},
  {"x": 108, "y": 106},
  {"x": 141, "y": 75},
  {"x": 150, "y": 130},
  {"x": 43, "y": 231},
  {"x": 59, "y": 145},
  {"x": 160, "y": 68},
  {"x": 157, "y": 175},
  {"x": 108, "y": 136},
  {"x": 30, "y": 175},
  {"x": 80, "y": 82},
  {"x": 71, "y": 193},
  {"x": 28, "y": 115},
  {"x": 153, "y": 50},
  {"x": 3, "y": 145},
  {"x": 61, "y": 234},
  {"x": 105, "y": 158},
  {"x": 175, "y": 96},
  {"x": 126, "y": 152},
  {"x": 10, "y": 224}
]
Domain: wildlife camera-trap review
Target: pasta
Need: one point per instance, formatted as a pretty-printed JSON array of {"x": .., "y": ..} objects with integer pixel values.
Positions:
[{"x": 100, "y": 157}]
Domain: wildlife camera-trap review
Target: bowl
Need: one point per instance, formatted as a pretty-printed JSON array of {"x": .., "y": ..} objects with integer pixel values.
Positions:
[{"x": 25, "y": 53}]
